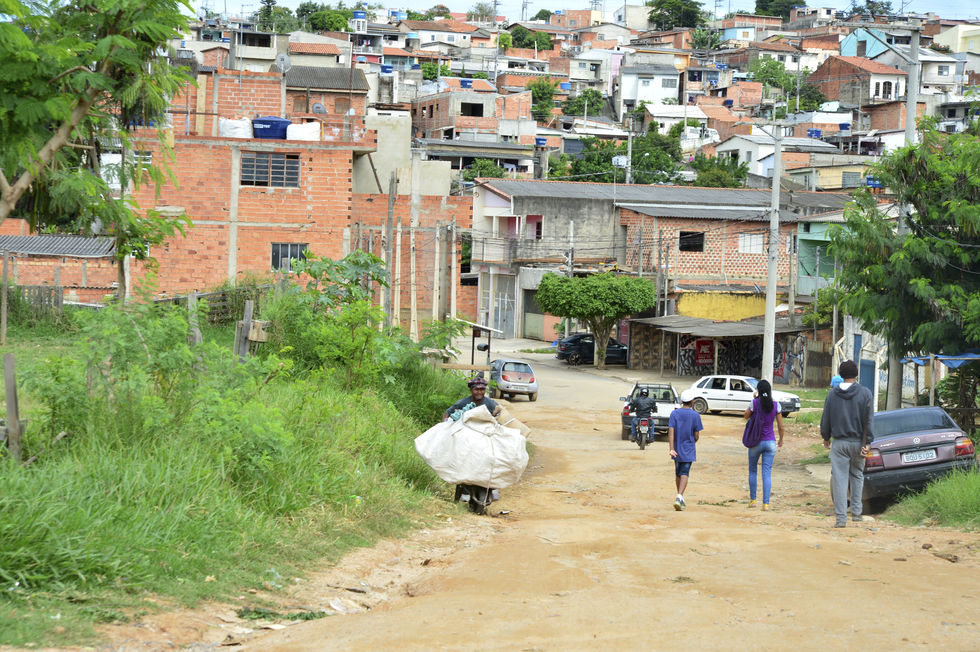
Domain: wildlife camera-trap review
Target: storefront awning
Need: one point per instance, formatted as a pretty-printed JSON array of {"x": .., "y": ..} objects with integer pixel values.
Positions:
[
  {"x": 951, "y": 361},
  {"x": 701, "y": 327}
]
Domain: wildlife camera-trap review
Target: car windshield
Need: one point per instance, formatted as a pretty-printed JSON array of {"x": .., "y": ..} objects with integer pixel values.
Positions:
[
  {"x": 518, "y": 367},
  {"x": 753, "y": 382},
  {"x": 894, "y": 423}
]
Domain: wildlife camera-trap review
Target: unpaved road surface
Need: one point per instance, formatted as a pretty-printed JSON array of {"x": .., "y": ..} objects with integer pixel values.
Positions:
[{"x": 592, "y": 556}]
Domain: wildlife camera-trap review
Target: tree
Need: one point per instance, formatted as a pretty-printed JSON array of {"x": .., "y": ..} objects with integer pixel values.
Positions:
[
  {"x": 599, "y": 301},
  {"x": 874, "y": 8},
  {"x": 484, "y": 167},
  {"x": 265, "y": 14},
  {"x": 483, "y": 12},
  {"x": 670, "y": 14},
  {"x": 439, "y": 11},
  {"x": 589, "y": 100},
  {"x": 543, "y": 14},
  {"x": 542, "y": 98},
  {"x": 719, "y": 172},
  {"x": 431, "y": 70},
  {"x": 704, "y": 39},
  {"x": 772, "y": 73},
  {"x": 776, "y": 7},
  {"x": 541, "y": 41},
  {"x": 522, "y": 37},
  {"x": 655, "y": 159},
  {"x": 330, "y": 20},
  {"x": 920, "y": 290},
  {"x": 505, "y": 41},
  {"x": 73, "y": 79},
  {"x": 307, "y": 9},
  {"x": 674, "y": 133}
]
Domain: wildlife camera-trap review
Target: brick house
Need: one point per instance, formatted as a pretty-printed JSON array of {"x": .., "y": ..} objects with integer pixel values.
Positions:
[{"x": 858, "y": 81}]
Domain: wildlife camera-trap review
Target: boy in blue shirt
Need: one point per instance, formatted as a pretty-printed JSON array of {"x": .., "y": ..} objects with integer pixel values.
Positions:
[{"x": 684, "y": 428}]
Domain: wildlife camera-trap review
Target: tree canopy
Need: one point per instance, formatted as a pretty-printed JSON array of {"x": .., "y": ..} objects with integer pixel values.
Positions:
[
  {"x": 590, "y": 100},
  {"x": 599, "y": 301},
  {"x": 482, "y": 11},
  {"x": 484, "y": 167},
  {"x": 330, "y": 20},
  {"x": 705, "y": 39},
  {"x": 874, "y": 8},
  {"x": 776, "y": 7},
  {"x": 522, "y": 37},
  {"x": 921, "y": 291},
  {"x": 655, "y": 159},
  {"x": 719, "y": 172},
  {"x": 670, "y": 14},
  {"x": 543, "y": 14},
  {"x": 542, "y": 98}
]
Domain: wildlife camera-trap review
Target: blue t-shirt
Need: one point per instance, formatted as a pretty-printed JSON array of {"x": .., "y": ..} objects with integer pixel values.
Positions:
[{"x": 685, "y": 423}]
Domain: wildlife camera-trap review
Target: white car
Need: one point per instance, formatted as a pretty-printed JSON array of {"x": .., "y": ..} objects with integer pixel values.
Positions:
[{"x": 735, "y": 393}]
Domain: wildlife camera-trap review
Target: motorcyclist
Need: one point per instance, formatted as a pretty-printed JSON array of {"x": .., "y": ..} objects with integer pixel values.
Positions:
[
  {"x": 477, "y": 397},
  {"x": 643, "y": 406}
]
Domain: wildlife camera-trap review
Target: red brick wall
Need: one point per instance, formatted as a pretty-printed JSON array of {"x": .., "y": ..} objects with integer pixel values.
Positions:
[
  {"x": 891, "y": 115},
  {"x": 521, "y": 81},
  {"x": 719, "y": 263},
  {"x": 515, "y": 106},
  {"x": 842, "y": 81}
]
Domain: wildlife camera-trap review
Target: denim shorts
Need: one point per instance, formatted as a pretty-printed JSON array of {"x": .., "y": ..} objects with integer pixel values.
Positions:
[{"x": 682, "y": 468}]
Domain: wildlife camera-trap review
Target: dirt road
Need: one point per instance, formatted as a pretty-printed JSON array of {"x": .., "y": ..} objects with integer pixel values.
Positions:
[{"x": 592, "y": 556}]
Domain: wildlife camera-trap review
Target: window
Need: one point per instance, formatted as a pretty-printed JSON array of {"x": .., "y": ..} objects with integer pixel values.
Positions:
[
  {"x": 748, "y": 156},
  {"x": 806, "y": 227},
  {"x": 341, "y": 105},
  {"x": 750, "y": 243},
  {"x": 270, "y": 170},
  {"x": 850, "y": 179},
  {"x": 796, "y": 59},
  {"x": 572, "y": 23},
  {"x": 943, "y": 71},
  {"x": 745, "y": 34},
  {"x": 644, "y": 82},
  {"x": 691, "y": 241},
  {"x": 877, "y": 89},
  {"x": 284, "y": 253},
  {"x": 782, "y": 58},
  {"x": 450, "y": 37},
  {"x": 717, "y": 383},
  {"x": 471, "y": 109},
  {"x": 668, "y": 82},
  {"x": 886, "y": 90},
  {"x": 582, "y": 65}
]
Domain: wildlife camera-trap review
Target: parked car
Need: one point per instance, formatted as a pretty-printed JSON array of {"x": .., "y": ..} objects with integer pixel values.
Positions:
[
  {"x": 579, "y": 348},
  {"x": 911, "y": 447},
  {"x": 735, "y": 393},
  {"x": 512, "y": 377},
  {"x": 667, "y": 402}
]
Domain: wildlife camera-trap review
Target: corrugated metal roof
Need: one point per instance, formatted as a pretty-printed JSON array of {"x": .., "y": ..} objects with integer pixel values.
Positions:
[
  {"x": 652, "y": 69},
  {"x": 710, "y": 328},
  {"x": 321, "y": 78},
  {"x": 739, "y": 213},
  {"x": 75, "y": 246},
  {"x": 632, "y": 193}
]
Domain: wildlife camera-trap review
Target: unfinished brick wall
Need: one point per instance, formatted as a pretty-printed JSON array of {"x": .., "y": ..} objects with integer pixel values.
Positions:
[
  {"x": 720, "y": 262},
  {"x": 891, "y": 115}
]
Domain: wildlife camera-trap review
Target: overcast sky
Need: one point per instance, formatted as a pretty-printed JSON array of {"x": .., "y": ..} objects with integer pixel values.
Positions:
[{"x": 512, "y": 8}]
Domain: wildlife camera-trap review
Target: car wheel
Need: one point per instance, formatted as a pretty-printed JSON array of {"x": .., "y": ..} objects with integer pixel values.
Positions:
[
  {"x": 495, "y": 393},
  {"x": 786, "y": 414},
  {"x": 575, "y": 358},
  {"x": 533, "y": 396},
  {"x": 700, "y": 405},
  {"x": 875, "y": 505},
  {"x": 627, "y": 432}
]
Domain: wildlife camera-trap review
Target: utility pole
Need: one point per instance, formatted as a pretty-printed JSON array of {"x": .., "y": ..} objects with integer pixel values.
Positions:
[
  {"x": 639, "y": 265},
  {"x": 629, "y": 152},
  {"x": 389, "y": 250},
  {"x": 816, "y": 291},
  {"x": 792, "y": 280},
  {"x": 769, "y": 334},
  {"x": 571, "y": 263},
  {"x": 437, "y": 272},
  {"x": 454, "y": 269},
  {"x": 660, "y": 251}
]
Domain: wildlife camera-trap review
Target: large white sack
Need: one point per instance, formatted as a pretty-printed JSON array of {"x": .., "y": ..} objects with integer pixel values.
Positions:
[
  {"x": 228, "y": 128},
  {"x": 303, "y": 131},
  {"x": 474, "y": 450}
]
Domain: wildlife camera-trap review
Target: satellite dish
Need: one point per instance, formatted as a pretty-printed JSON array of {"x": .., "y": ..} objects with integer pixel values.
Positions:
[
  {"x": 319, "y": 108},
  {"x": 282, "y": 61}
]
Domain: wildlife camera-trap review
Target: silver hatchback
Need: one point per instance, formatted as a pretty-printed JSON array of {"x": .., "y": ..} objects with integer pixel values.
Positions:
[{"x": 512, "y": 377}]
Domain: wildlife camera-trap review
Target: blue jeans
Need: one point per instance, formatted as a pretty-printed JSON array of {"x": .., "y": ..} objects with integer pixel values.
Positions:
[{"x": 767, "y": 451}]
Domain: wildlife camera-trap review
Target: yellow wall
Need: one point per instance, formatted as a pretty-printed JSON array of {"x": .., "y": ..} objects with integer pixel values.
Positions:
[{"x": 721, "y": 306}]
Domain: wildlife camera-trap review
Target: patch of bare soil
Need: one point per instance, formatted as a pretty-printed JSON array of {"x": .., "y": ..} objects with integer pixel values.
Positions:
[{"x": 592, "y": 555}]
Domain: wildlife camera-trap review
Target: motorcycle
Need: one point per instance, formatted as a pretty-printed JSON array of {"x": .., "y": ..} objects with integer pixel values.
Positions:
[{"x": 643, "y": 432}]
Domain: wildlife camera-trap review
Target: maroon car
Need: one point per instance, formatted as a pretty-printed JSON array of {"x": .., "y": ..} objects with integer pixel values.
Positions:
[{"x": 912, "y": 447}]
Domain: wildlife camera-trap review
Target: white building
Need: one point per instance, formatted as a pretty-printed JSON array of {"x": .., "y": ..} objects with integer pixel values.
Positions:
[
  {"x": 753, "y": 148},
  {"x": 651, "y": 83}
]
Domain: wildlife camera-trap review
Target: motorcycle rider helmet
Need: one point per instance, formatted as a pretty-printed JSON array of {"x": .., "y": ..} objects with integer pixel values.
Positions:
[
  {"x": 477, "y": 381},
  {"x": 644, "y": 391}
]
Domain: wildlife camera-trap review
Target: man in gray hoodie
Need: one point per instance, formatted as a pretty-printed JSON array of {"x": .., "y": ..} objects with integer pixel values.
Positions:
[{"x": 847, "y": 418}]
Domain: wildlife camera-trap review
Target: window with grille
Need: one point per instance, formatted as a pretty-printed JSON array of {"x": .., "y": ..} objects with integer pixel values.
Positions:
[
  {"x": 668, "y": 82},
  {"x": 270, "y": 169},
  {"x": 750, "y": 243},
  {"x": 850, "y": 179},
  {"x": 691, "y": 241},
  {"x": 284, "y": 253}
]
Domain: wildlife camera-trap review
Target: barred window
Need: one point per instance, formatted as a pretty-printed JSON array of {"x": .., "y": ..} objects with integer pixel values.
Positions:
[
  {"x": 284, "y": 253},
  {"x": 270, "y": 169}
]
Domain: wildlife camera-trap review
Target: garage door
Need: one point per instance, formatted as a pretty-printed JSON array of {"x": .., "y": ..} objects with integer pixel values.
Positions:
[{"x": 533, "y": 317}]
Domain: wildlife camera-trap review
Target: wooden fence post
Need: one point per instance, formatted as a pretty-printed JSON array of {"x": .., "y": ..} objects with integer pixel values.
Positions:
[
  {"x": 194, "y": 336},
  {"x": 3, "y": 300},
  {"x": 13, "y": 414},
  {"x": 242, "y": 329}
]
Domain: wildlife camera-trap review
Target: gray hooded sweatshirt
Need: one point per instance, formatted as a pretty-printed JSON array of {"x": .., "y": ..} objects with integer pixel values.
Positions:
[{"x": 847, "y": 414}]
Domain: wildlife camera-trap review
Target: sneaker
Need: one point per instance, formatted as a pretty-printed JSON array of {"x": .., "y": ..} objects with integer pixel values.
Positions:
[
  {"x": 683, "y": 504},
  {"x": 857, "y": 519},
  {"x": 751, "y": 503},
  {"x": 840, "y": 524},
  {"x": 765, "y": 507},
  {"x": 678, "y": 504}
]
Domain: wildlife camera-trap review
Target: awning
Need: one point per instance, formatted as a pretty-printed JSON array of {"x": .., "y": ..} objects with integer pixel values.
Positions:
[
  {"x": 951, "y": 361},
  {"x": 710, "y": 328}
]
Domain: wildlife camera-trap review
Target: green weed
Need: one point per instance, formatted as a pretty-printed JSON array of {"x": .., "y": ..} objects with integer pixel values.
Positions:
[
  {"x": 809, "y": 418},
  {"x": 543, "y": 350},
  {"x": 952, "y": 501},
  {"x": 821, "y": 455}
]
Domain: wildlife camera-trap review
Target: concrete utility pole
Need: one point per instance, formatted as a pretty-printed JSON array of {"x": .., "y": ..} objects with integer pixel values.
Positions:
[
  {"x": 571, "y": 263},
  {"x": 389, "y": 251},
  {"x": 629, "y": 152}
]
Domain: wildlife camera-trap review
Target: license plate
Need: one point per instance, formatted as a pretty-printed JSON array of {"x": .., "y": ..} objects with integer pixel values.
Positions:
[{"x": 919, "y": 456}]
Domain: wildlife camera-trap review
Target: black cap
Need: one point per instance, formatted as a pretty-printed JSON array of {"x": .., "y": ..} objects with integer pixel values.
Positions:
[{"x": 848, "y": 369}]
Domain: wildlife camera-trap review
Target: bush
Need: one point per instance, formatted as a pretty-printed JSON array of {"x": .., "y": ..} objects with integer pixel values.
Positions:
[{"x": 952, "y": 501}]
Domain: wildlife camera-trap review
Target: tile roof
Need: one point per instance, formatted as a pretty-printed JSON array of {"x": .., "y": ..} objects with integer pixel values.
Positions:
[
  {"x": 870, "y": 65},
  {"x": 479, "y": 85},
  {"x": 439, "y": 26},
  {"x": 58, "y": 245},
  {"x": 396, "y": 52},
  {"x": 329, "y": 79},
  {"x": 777, "y": 46},
  {"x": 314, "y": 48}
]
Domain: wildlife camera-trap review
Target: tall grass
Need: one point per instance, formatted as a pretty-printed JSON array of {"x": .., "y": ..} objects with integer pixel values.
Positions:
[
  {"x": 190, "y": 475},
  {"x": 952, "y": 501}
]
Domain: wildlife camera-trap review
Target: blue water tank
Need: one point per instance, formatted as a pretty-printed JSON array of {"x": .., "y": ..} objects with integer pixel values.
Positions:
[
  {"x": 845, "y": 126},
  {"x": 566, "y": 86},
  {"x": 360, "y": 14},
  {"x": 416, "y": 66},
  {"x": 270, "y": 127},
  {"x": 387, "y": 70},
  {"x": 728, "y": 102},
  {"x": 466, "y": 83},
  {"x": 402, "y": 15},
  {"x": 540, "y": 142}
]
